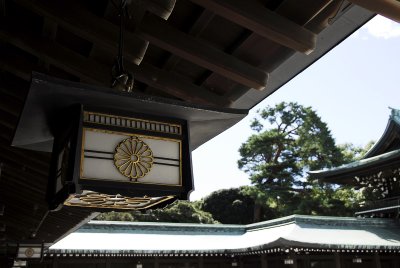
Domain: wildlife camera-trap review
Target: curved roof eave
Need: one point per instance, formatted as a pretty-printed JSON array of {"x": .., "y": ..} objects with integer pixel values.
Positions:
[
  {"x": 392, "y": 128},
  {"x": 357, "y": 166}
]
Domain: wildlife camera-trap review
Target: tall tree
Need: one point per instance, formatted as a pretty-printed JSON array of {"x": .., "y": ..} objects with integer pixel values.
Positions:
[{"x": 290, "y": 139}]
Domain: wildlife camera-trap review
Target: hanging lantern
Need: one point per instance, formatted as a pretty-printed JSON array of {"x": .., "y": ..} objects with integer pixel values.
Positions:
[
  {"x": 29, "y": 251},
  {"x": 115, "y": 150}
]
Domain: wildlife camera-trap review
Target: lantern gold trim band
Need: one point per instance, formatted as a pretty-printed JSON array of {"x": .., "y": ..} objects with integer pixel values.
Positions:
[{"x": 129, "y": 122}]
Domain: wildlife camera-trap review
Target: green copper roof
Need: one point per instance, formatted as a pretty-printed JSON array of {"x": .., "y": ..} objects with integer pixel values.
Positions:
[
  {"x": 282, "y": 233},
  {"x": 354, "y": 168},
  {"x": 392, "y": 132},
  {"x": 395, "y": 115},
  {"x": 385, "y": 153}
]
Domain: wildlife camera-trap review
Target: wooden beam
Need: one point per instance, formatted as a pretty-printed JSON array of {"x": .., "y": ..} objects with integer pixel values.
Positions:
[
  {"x": 7, "y": 119},
  {"x": 16, "y": 65},
  {"x": 388, "y": 8},
  {"x": 14, "y": 159},
  {"x": 97, "y": 73},
  {"x": 88, "y": 26},
  {"x": 161, "y": 8},
  {"x": 255, "y": 17},
  {"x": 10, "y": 105},
  {"x": 49, "y": 51},
  {"x": 13, "y": 86},
  {"x": 198, "y": 27},
  {"x": 34, "y": 159},
  {"x": 315, "y": 10},
  {"x": 159, "y": 33},
  {"x": 49, "y": 30},
  {"x": 175, "y": 85},
  {"x": 290, "y": 9}
]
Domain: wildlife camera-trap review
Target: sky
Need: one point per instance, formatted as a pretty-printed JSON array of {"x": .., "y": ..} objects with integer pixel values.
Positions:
[{"x": 351, "y": 88}]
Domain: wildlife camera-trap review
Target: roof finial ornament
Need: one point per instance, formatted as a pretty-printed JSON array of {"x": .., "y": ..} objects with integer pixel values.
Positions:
[{"x": 394, "y": 113}]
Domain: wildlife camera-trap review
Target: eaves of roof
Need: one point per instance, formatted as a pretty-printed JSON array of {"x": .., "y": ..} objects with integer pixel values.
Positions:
[{"x": 293, "y": 231}]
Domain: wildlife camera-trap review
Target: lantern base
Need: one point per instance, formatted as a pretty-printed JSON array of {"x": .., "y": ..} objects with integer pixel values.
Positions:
[{"x": 90, "y": 199}]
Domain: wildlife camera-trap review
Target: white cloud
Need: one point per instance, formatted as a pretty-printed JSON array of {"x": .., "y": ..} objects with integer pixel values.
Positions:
[{"x": 381, "y": 27}]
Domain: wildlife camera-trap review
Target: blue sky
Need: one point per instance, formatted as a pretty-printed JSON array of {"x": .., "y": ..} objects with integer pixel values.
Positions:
[{"x": 351, "y": 89}]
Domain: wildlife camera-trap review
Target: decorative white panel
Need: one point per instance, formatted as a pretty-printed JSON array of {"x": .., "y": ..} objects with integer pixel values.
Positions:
[{"x": 131, "y": 158}]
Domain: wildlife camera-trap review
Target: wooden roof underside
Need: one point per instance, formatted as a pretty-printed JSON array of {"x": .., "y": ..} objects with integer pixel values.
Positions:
[{"x": 199, "y": 51}]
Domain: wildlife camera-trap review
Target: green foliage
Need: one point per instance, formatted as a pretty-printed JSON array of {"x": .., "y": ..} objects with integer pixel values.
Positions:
[
  {"x": 290, "y": 140},
  {"x": 265, "y": 206},
  {"x": 182, "y": 211},
  {"x": 351, "y": 152},
  {"x": 325, "y": 200},
  {"x": 115, "y": 216},
  {"x": 179, "y": 212},
  {"x": 230, "y": 206}
]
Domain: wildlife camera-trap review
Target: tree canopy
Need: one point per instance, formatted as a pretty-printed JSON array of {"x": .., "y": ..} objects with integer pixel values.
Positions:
[
  {"x": 229, "y": 206},
  {"x": 290, "y": 140},
  {"x": 179, "y": 211}
]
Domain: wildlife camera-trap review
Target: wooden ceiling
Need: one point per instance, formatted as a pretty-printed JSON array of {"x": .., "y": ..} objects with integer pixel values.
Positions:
[{"x": 198, "y": 51}]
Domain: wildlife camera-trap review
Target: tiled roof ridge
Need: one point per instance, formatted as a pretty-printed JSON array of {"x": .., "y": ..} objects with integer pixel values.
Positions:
[{"x": 160, "y": 227}]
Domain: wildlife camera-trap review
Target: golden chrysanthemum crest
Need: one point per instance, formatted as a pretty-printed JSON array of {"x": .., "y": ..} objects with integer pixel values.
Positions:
[{"x": 133, "y": 158}]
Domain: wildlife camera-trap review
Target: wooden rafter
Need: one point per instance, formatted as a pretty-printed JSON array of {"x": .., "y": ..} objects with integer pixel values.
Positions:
[
  {"x": 161, "y": 8},
  {"x": 387, "y": 8},
  {"x": 159, "y": 33},
  {"x": 175, "y": 85},
  {"x": 86, "y": 25},
  {"x": 16, "y": 65},
  {"x": 289, "y": 9},
  {"x": 91, "y": 71},
  {"x": 49, "y": 30},
  {"x": 53, "y": 53},
  {"x": 198, "y": 27},
  {"x": 255, "y": 17},
  {"x": 286, "y": 9}
]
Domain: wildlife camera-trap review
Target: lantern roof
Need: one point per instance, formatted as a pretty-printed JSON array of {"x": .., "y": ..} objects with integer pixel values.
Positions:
[{"x": 48, "y": 96}]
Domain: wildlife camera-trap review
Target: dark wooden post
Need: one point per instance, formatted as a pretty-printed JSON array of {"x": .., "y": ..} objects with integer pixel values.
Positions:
[
  {"x": 264, "y": 262},
  {"x": 201, "y": 262},
  {"x": 338, "y": 263},
  {"x": 377, "y": 260},
  {"x": 295, "y": 259},
  {"x": 55, "y": 262},
  {"x": 156, "y": 262},
  {"x": 108, "y": 263}
]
